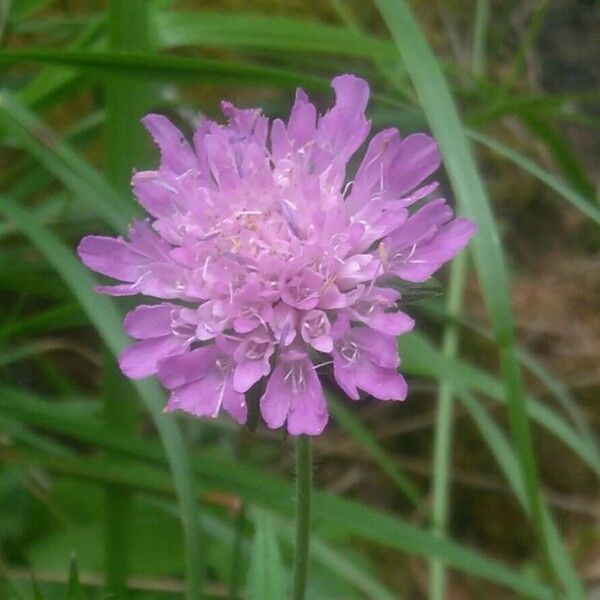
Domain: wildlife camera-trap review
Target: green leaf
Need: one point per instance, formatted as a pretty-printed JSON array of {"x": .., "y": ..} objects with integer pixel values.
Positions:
[
  {"x": 420, "y": 358},
  {"x": 266, "y": 34},
  {"x": 125, "y": 102},
  {"x": 24, "y": 8},
  {"x": 561, "y": 153},
  {"x": 254, "y": 487},
  {"x": 167, "y": 68},
  {"x": 35, "y": 590},
  {"x": 265, "y": 577},
  {"x": 506, "y": 459},
  {"x": 363, "y": 436},
  {"x": 560, "y": 393},
  {"x": 480, "y": 35},
  {"x": 442, "y": 114},
  {"x": 62, "y": 161},
  {"x": 105, "y": 317},
  {"x": 62, "y": 317},
  {"x": 53, "y": 84},
  {"x": 339, "y": 564},
  {"x": 74, "y": 589},
  {"x": 529, "y": 166}
]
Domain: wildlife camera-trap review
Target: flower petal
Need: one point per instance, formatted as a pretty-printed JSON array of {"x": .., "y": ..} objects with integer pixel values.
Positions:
[
  {"x": 428, "y": 257},
  {"x": 175, "y": 153},
  {"x": 308, "y": 410},
  {"x": 380, "y": 347},
  {"x": 381, "y": 383},
  {"x": 343, "y": 373},
  {"x": 247, "y": 373},
  {"x": 276, "y": 399},
  {"x": 235, "y": 404},
  {"x": 200, "y": 398},
  {"x": 190, "y": 366},
  {"x": 142, "y": 358},
  {"x": 150, "y": 321},
  {"x": 108, "y": 256},
  {"x": 390, "y": 323},
  {"x": 417, "y": 158},
  {"x": 301, "y": 124}
]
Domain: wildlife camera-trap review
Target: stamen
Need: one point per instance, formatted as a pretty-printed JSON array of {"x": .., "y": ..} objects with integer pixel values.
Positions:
[
  {"x": 323, "y": 364},
  {"x": 184, "y": 175},
  {"x": 349, "y": 352},
  {"x": 223, "y": 363},
  {"x": 221, "y": 390},
  {"x": 298, "y": 380},
  {"x": 256, "y": 350},
  {"x": 346, "y": 188},
  {"x": 163, "y": 184}
]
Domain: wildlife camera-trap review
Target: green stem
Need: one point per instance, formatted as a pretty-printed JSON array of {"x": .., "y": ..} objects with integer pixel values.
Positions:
[
  {"x": 303, "y": 501},
  {"x": 482, "y": 23},
  {"x": 237, "y": 556},
  {"x": 443, "y": 429},
  {"x": 118, "y": 499},
  {"x": 125, "y": 101}
]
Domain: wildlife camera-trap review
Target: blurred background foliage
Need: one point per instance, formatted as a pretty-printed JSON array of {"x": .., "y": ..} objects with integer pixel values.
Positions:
[{"x": 483, "y": 483}]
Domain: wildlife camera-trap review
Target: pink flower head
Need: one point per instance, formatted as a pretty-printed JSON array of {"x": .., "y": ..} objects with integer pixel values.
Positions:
[{"x": 269, "y": 263}]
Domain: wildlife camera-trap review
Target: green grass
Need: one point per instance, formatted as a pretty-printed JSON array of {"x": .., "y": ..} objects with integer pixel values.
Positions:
[{"x": 88, "y": 460}]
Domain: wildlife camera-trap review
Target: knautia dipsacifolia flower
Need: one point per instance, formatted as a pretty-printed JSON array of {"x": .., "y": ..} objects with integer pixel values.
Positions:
[{"x": 271, "y": 263}]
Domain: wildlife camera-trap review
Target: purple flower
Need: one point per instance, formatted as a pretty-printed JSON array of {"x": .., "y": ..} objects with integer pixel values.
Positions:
[{"x": 269, "y": 263}]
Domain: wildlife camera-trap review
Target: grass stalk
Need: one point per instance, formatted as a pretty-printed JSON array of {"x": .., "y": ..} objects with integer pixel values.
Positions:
[
  {"x": 442, "y": 448},
  {"x": 127, "y": 30},
  {"x": 480, "y": 31},
  {"x": 442, "y": 113}
]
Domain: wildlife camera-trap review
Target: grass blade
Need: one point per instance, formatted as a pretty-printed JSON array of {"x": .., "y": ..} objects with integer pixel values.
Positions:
[
  {"x": 442, "y": 114},
  {"x": 266, "y": 34},
  {"x": 167, "y": 68},
  {"x": 480, "y": 32},
  {"x": 265, "y": 578},
  {"x": 420, "y": 358},
  {"x": 123, "y": 148},
  {"x": 561, "y": 153},
  {"x": 254, "y": 487},
  {"x": 509, "y": 465},
  {"x": 529, "y": 362},
  {"x": 442, "y": 445},
  {"x": 106, "y": 319},
  {"x": 371, "y": 446},
  {"x": 577, "y": 200},
  {"x": 64, "y": 163},
  {"x": 74, "y": 589}
]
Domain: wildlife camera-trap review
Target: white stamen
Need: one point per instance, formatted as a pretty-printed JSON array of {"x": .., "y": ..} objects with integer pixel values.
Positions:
[
  {"x": 323, "y": 364},
  {"x": 205, "y": 267}
]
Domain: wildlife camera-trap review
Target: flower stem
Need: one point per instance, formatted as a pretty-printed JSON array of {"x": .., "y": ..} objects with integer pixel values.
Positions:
[{"x": 303, "y": 500}]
